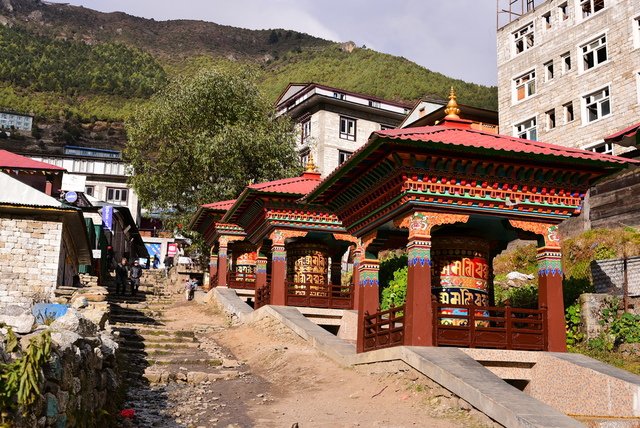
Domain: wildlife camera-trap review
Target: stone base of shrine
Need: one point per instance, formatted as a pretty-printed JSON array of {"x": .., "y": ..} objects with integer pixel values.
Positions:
[{"x": 512, "y": 388}]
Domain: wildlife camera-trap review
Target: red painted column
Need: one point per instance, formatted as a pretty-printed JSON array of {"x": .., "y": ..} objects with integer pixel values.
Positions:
[
  {"x": 368, "y": 295},
  {"x": 355, "y": 280},
  {"x": 261, "y": 270},
  {"x": 213, "y": 270},
  {"x": 223, "y": 263},
  {"x": 550, "y": 295},
  {"x": 418, "y": 314},
  {"x": 278, "y": 273}
]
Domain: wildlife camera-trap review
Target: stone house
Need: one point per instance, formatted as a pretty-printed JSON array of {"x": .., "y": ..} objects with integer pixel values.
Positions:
[{"x": 42, "y": 243}]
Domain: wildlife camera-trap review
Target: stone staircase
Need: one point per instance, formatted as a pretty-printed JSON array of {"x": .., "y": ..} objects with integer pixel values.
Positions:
[
  {"x": 167, "y": 369},
  {"x": 154, "y": 351}
]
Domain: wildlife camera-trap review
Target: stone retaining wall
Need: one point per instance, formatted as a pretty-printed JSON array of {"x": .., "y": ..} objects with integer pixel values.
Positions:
[{"x": 80, "y": 385}]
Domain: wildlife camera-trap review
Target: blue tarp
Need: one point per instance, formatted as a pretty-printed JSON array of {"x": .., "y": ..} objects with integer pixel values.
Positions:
[{"x": 48, "y": 311}]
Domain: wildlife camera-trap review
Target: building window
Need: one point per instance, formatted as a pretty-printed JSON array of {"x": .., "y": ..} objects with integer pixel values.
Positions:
[
  {"x": 527, "y": 130},
  {"x": 589, "y": 7},
  {"x": 594, "y": 53},
  {"x": 525, "y": 85},
  {"x": 385, "y": 127},
  {"x": 88, "y": 190},
  {"x": 523, "y": 39},
  {"x": 604, "y": 148},
  {"x": 114, "y": 168},
  {"x": 636, "y": 32},
  {"x": 638, "y": 85},
  {"x": 548, "y": 71},
  {"x": 568, "y": 112},
  {"x": 304, "y": 158},
  {"x": 343, "y": 156},
  {"x": 339, "y": 95},
  {"x": 83, "y": 165},
  {"x": 347, "y": 128},
  {"x": 597, "y": 105},
  {"x": 375, "y": 104},
  {"x": 566, "y": 62},
  {"x": 117, "y": 196},
  {"x": 551, "y": 119},
  {"x": 564, "y": 11},
  {"x": 306, "y": 130},
  {"x": 547, "y": 20}
]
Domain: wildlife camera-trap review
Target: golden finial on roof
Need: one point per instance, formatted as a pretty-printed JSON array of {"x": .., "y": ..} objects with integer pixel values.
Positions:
[
  {"x": 452, "y": 109},
  {"x": 311, "y": 167}
]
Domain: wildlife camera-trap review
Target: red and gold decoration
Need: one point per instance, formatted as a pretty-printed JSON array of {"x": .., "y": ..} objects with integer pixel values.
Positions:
[
  {"x": 307, "y": 262},
  {"x": 460, "y": 273}
]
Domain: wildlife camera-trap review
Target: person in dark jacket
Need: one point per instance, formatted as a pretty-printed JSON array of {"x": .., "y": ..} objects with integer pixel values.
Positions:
[
  {"x": 134, "y": 276},
  {"x": 122, "y": 275}
]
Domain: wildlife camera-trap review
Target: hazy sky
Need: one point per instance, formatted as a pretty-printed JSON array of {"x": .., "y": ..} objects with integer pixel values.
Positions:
[{"x": 453, "y": 37}]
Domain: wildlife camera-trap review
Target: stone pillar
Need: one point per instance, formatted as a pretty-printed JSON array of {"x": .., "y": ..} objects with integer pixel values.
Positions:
[
  {"x": 368, "y": 295},
  {"x": 213, "y": 269},
  {"x": 550, "y": 295}
]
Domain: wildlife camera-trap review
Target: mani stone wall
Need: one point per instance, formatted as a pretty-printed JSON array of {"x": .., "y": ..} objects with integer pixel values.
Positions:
[
  {"x": 619, "y": 72},
  {"x": 29, "y": 257}
]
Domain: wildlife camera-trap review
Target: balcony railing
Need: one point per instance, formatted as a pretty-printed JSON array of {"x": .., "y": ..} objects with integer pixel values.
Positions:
[
  {"x": 244, "y": 281},
  {"x": 384, "y": 329},
  {"x": 263, "y": 296},
  {"x": 490, "y": 327},
  {"x": 319, "y": 295}
]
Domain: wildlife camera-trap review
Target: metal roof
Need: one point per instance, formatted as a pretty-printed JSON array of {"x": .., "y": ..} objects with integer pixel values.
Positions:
[{"x": 14, "y": 161}]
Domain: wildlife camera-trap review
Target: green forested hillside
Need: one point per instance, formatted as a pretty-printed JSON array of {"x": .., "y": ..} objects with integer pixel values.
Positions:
[
  {"x": 75, "y": 62},
  {"x": 372, "y": 73}
]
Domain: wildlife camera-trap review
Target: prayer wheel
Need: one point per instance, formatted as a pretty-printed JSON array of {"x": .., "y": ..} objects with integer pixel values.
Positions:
[
  {"x": 460, "y": 274},
  {"x": 244, "y": 260},
  {"x": 307, "y": 262}
]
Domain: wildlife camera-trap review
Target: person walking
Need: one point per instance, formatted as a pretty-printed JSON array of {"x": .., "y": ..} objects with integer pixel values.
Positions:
[
  {"x": 134, "y": 277},
  {"x": 168, "y": 264},
  {"x": 122, "y": 276}
]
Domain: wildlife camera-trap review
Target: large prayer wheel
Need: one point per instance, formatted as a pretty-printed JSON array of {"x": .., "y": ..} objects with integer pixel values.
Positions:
[
  {"x": 307, "y": 262},
  {"x": 244, "y": 259},
  {"x": 460, "y": 274}
]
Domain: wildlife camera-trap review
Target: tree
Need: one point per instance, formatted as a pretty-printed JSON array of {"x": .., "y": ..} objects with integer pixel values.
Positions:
[{"x": 203, "y": 139}]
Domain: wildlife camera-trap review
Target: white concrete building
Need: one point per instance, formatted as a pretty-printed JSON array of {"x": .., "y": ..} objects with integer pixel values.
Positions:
[
  {"x": 334, "y": 123},
  {"x": 569, "y": 70},
  {"x": 10, "y": 119}
]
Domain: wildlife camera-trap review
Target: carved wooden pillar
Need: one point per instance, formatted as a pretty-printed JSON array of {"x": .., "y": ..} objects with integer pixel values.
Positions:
[
  {"x": 418, "y": 314},
  {"x": 550, "y": 293},
  {"x": 213, "y": 269},
  {"x": 222, "y": 261},
  {"x": 369, "y": 300},
  {"x": 368, "y": 287},
  {"x": 261, "y": 268},
  {"x": 355, "y": 280}
]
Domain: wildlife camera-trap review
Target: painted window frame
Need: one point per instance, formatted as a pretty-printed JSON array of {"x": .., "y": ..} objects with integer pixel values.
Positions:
[
  {"x": 524, "y": 86},
  {"x": 347, "y": 132},
  {"x": 603, "y": 105},
  {"x": 521, "y": 130}
]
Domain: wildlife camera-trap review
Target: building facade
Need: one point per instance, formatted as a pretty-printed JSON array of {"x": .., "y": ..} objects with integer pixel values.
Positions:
[
  {"x": 569, "y": 72},
  {"x": 106, "y": 176},
  {"x": 10, "y": 119},
  {"x": 334, "y": 123}
]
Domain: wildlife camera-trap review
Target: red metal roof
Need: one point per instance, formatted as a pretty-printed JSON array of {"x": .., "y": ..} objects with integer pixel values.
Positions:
[
  {"x": 464, "y": 136},
  {"x": 222, "y": 205},
  {"x": 625, "y": 133},
  {"x": 14, "y": 161},
  {"x": 296, "y": 185}
]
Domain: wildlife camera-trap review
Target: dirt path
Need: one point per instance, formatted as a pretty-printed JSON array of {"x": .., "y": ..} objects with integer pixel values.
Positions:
[{"x": 284, "y": 382}]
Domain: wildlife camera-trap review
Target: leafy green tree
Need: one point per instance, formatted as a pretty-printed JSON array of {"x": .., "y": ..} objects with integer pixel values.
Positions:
[{"x": 203, "y": 139}]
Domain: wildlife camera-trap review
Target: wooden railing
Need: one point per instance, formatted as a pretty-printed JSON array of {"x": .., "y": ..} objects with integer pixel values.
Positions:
[
  {"x": 490, "y": 327},
  {"x": 319, "y": 295},
  {"x": 245, "y": 281},
  {"x": 263, "y": 295},
  {"x": 384, "y": 329}
]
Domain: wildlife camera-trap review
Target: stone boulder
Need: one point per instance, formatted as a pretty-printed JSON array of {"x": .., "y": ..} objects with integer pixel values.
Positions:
[
  {"x": 19, "y": 318},
  {"x": 76, "y": 322}
]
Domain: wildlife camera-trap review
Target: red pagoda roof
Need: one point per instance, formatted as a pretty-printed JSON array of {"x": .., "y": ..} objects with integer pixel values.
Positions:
[
  {"x": 629, "y": 132},
  {"x": 14, "y": 161},
  {"x": 222, "y": 205},
  {"x": 461, "y": 134},
  {"x": 296, "y": 185}
]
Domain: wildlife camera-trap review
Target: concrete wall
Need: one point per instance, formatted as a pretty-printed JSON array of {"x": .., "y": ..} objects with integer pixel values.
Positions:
[
  {"x": 33, "y": 259},
  {"x": 620, "y": 72}
]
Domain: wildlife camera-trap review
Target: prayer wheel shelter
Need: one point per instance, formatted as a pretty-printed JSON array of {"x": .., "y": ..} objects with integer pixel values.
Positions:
[
  {"x": 299, "y": 246},
  {"x": 454, "y": 197},
  {"x": 220, "y": 237}
]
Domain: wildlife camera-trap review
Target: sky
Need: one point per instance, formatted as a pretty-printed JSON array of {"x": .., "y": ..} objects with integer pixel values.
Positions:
[{"x": 454, "y": 37}]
